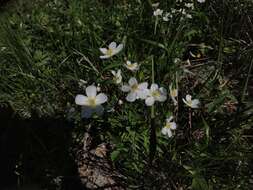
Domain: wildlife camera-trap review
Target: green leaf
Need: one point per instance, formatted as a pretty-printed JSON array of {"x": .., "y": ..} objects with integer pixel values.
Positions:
[
  {"x": 199, "y": 183},
  {"x": 114, "y": 155}
]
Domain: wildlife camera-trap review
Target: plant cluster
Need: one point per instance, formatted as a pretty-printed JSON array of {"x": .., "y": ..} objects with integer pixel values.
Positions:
[{"x": 172, "y": 98}]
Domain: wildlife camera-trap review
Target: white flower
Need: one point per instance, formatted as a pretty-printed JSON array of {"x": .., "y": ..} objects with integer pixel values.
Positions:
[
  {"x": 155, "y": 4},
  {"x": 189, "y": 5},
  {"x": 117, "y": 77},
  {"x": 132, "y": 66},
  {"x": 177, "y": 60},
  {"x": 112, "y": 50},
  {"x": 191, "y": 103},
  {"x": 155, "y": 94},
  {"x": 167, "y": 16},
  {"x": 188, "y": 16},
  {"x": 135, "y": 90},
  {"x": 120, "y": 102},
  {"x": 167, "y": 129},
  {"x": 201, "y": 1},
  {"x": 158, "y": 12},
  {"x": 173, "y": 94},
  {"x": 92, "y": 102}
]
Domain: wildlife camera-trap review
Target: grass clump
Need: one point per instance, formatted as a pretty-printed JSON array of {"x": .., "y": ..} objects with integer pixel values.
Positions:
[{"x": 50, "y": 53}]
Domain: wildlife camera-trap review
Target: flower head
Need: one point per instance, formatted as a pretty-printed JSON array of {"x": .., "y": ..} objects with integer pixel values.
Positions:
[
  {"x": 201, "y": 1},
  {"x": 135, "y": 90},
  {"x": 132, "y": 66},
  {"x": 191, "y": 103},
  {"x": 112, "y": 50},
  {"x": 169, "y": 126},
  {"x": 167, "y": 16},
  {"x": 117, "y": 77},
  {"x": 91, "y": 102},
  {"x": 158, "y": 12},
  {"x": 189, "y": 5},
  {"x": 173, "y": 94},
  {"x": 155, "y": 94}
]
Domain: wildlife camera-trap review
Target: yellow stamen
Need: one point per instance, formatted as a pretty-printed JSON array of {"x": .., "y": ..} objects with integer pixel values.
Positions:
[
  {"x": 168, "y": 125},
  {"x": 109, "y": 52},
  {"x": 92, "y": 102},
  {"x": 156, "y": 93},
  {"x": 135, "y": 87}
]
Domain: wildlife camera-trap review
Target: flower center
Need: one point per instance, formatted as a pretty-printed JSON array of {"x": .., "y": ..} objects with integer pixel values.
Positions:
[
  {"x": 92, "y": 102},
  {"x": 109, "y": 52},
  {"x": 156, "y": 93},
  {"x": 168, "y": 125},
  {"x": 174, "y": 93},
  {"x": 135, "y": 87},
  {"x": 131, "y": 65}
]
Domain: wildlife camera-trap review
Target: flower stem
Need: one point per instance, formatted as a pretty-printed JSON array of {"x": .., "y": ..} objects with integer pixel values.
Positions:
[{"x": 152, "y": 140}]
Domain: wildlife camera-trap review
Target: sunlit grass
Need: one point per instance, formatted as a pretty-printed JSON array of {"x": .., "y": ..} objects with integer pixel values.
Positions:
[{"x": 200, "y": 49}]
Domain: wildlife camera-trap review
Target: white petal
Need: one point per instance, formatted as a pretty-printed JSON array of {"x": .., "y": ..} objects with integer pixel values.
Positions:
[
  {"x": 162, "y": 98},
  {"x": 142, "y": 94},
  {"x": 188, "y": 97},
  {"x": 119, "y": 48},
  {"x": 125, "y": 88},
  {"x": 81, "y": 100},
  {"x": 101, "y": 98},
  {"x": 91, "y": 91},
  {"x": 132, "y": 81},
  {"x": 195, "y": 103},
  {"x": 143, "y": 85},
  {"x": 174, "y": 100},
  {"x": 164, "y": 130},
  {"x": 186, "y": 102},
  {"x": 154, "y": 87},
  {"x": 119, "y": 72},
  {"x": 150, "y": 101},
  {"x": 103, "y": 50},
  {"x": 113, "y": 72},
  {"x": 163, "y": 91},
  {"x": 112, "y": 45},
  {"x": 169, "y": 133},
  {"x": 173, "y": 125},
  {"x": 128, "y": 62},
  {"x": 104, "y": 56},
  {"x": 131, "y": 97},
  {"x": 119, "y": 79}
]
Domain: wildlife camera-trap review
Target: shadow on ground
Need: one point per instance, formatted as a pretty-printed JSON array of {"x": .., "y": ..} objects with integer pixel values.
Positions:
[{"x": 36, "y": 151}]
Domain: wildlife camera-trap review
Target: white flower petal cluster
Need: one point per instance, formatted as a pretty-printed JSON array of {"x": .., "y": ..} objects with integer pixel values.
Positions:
[
  {"x": 117, "y": 77},
  {"x": 201, "y": 1},
  {"x": 167, "y": 16},
  {"x": 167, "y": 129},
  {"x": 155, "y": 94},
  {"x": 135, "y": 90},
  {"x": 112, "y": 50},
  {"x": 132, "y": 66},
  {"x": 158, "y": 12},
  {"x": 91, "y": 102},
  {"x": 191, "y": 103},
  {"x": 189, "y": 5}
]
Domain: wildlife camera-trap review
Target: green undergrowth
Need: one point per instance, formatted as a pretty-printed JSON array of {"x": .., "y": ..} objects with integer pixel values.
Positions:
[{"x": 46, "y": 47}]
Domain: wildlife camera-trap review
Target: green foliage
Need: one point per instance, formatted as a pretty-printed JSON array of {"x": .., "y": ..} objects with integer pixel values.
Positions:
[{"x": 46, "y": 51}]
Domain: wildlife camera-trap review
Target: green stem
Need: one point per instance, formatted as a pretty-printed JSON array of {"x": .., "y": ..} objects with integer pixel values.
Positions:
[
  {"x": 247, "y": 81},
  {"x": 152, "y": 140}
]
